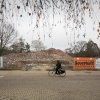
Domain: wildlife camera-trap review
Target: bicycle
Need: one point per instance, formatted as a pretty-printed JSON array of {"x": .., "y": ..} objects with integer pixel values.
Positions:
[{"x": 61, "y": 72}]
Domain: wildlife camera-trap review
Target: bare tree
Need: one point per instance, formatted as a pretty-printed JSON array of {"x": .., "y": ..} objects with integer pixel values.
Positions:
[
  {"x": 37, "y": 45},
  {"x": 27, "y": 47},
  {"x": 80, "y": 45},
  {"x": 7, "y": 36},
  {"x": 15, "y": 47},
  {"x": 84, "y": 49},
  {"x": 69, "y": 51},
  {"x": 19, "y": 45},
  {"x": 77, "y": 48},
  {"x": 92, "y": 49}
]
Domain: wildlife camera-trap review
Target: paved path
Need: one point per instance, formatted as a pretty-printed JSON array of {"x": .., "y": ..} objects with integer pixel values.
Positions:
[{"x": 32, "y": 85}]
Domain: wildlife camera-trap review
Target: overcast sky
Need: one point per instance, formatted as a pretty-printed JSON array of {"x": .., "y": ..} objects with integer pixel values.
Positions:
[{"x": 59, "y": 39}]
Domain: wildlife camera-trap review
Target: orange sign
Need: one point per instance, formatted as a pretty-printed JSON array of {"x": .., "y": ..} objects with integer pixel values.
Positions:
[{"x": 84, "y": 63}]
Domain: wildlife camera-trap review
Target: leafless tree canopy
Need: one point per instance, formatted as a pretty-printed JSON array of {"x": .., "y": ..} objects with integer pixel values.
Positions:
[
  {"x": 7, "y": 35},
  {"x": 84, "y": 49},
  {"x": 73, "y": 12},
  {"x": 37, "y": 45}
]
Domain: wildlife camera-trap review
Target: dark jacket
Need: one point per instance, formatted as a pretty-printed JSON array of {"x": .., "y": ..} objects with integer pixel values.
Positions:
[{"x": 58, "y": 65}]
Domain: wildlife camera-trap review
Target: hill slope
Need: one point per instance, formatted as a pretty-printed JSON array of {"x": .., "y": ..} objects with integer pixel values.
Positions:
[{"x": 44, "y": 57}]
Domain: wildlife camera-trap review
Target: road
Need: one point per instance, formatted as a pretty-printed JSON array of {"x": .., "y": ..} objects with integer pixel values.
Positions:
[{"x": 37, "y": 85}]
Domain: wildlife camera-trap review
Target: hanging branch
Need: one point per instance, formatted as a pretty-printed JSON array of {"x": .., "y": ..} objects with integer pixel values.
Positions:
[{"x": 74, "y": 10}]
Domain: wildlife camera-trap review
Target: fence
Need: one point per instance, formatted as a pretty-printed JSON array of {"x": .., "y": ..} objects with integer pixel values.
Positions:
[
  {"x": 1, "y": 62},
  {"x": 98, "y": 63}
]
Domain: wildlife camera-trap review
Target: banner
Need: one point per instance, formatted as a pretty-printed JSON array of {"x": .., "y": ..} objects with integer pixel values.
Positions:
[
  {"x": 98, "y": 63},
  {"x": 84, "y": 63}
]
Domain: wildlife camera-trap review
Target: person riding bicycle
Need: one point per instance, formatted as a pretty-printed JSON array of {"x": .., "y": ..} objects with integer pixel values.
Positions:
[{"x": 58, "y": 66}]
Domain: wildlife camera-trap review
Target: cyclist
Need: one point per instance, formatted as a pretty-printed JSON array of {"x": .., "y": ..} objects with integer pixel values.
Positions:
[{"x": 58, "y": 66}]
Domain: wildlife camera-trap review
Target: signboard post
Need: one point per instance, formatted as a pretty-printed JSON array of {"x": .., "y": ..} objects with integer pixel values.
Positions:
[
  {"x": 1, "y": 62},
  {"x": 84, "y": 63}
]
